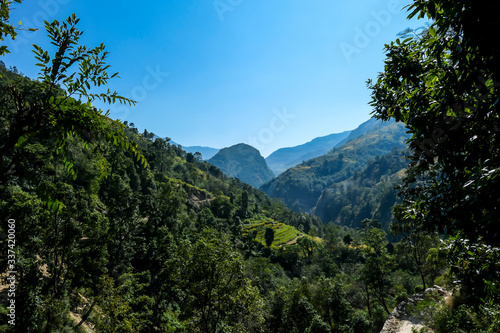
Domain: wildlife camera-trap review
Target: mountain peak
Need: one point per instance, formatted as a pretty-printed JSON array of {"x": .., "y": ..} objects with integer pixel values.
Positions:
[{"x": 244, "y": 162}]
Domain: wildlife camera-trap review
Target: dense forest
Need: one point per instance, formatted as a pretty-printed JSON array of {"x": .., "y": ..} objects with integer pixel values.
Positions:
[
  {"x": 105, "y": 229},
  {"x": 368, "y": 194}
]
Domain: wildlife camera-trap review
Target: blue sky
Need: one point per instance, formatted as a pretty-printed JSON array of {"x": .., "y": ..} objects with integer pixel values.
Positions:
[{"x": 215, "y": 73}]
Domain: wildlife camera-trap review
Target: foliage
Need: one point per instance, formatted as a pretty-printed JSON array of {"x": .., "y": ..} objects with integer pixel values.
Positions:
[
  {"x": 368, "y": 194},
  {"x": 464, "y": 317},
  {"x": 443, "y": 85},
  {"x": 283, "y": 234},
  {"x": 6, "y": 29},
  {"x": 144, "y": 237},
  {"x": 269, "y": 236},
  {"x": 47, "y": 110},
  {"x": 211, "y": 289}
]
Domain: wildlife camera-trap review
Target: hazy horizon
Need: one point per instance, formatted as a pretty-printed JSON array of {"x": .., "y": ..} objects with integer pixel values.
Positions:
[{"x": 216, "y": 73}]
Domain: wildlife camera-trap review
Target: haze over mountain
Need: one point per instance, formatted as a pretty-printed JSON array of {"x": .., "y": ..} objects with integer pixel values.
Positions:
[
  {"x": 285, "y": 158},
  {"x": 300, "y": 187},
  {"x": 244, "y": 162},
  {"x": 362, "y": 129},
  {"x": 206, "y": 152}
]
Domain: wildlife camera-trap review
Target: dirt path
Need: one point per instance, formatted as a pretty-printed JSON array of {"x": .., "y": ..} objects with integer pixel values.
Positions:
[{"x": 406, "y": 317}]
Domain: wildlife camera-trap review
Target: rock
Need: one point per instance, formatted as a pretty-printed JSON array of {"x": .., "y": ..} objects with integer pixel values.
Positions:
[{"x": 412, "y": 313}]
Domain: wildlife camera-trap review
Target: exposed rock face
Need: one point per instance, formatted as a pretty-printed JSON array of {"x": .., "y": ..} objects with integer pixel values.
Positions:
[{"x": 413, "y": 312}]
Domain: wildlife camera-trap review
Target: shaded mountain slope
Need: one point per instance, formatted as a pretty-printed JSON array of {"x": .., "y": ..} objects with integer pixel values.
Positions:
[
  {"x": 300, "y": 187},
  {"x": 244, "y": 162},
  {"x": 368, "y": 194}
]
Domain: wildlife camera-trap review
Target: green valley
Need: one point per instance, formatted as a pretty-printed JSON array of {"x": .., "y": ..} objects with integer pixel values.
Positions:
[{"x": 107, "y": 229}]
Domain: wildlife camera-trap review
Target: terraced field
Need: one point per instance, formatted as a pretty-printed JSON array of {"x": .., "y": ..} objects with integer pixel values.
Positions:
[{"x": 283, "y": 234}]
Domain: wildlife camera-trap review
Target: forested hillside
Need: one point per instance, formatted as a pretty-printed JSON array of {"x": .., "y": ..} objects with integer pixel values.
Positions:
[
  {"x": 368, "y": 194},
  {"x": 115, "y": 232},
  {"x": 150, "y": 238},
  {"x": 105, "y": 229},
  {"x": 300, "y": 187}
]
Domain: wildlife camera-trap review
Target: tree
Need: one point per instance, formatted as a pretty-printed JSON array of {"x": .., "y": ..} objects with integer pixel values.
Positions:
[
  {"x": 206, "y": 219},
  {"x": 347, "y": 239},
  {"x": 198, "y": 157},
  {"x": 269, "y": 236},
  {"x": 444, "y": 85},
  {"x": 49, "y": 133},
  {"x": 242, "y": 212},
  {"x": 7, "y": 29},
  {"x": 307, "y": 245},
  {"x": 415, "y": 244},
  {"x": 375, "y": 272},
  {"x": 332, "y": 304},
  {"x": 190, "y": 158},
  {"x": 211, "y": 289},
  {"x": 50, "y": 108}
]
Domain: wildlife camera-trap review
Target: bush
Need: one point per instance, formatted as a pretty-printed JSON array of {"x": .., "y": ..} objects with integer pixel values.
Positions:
[{"x": 419, "y": 289}]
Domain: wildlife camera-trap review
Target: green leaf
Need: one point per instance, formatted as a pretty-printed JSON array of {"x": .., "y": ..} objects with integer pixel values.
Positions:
[{"x": 432, "y": 32}]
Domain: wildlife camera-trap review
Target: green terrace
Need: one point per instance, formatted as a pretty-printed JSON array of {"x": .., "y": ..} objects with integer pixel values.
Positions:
[{"x": 283, "y": 234}]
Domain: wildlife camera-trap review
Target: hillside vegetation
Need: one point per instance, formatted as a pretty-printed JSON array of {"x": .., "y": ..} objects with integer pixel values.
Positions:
[
  {"x": 106, "y": 230},
  {"x": 300, "y": 187},
  {"x": 368, "y": 194},
  {"x": 117, "y": 232},
  {"x": 284, "y": 235}
]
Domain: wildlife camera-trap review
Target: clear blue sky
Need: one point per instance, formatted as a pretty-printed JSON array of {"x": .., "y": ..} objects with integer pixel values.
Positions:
[{"x": 215, "y": 73}]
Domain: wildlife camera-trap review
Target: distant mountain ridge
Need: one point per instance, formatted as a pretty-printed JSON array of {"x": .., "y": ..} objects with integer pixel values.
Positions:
[
  {"x": 285, "y": 158},
  {"x": 301, "y": 187},
  {"x": 243, "y": 162},
  {"x": 206, "y": 152},
  {"x": 362, "y": 129}
]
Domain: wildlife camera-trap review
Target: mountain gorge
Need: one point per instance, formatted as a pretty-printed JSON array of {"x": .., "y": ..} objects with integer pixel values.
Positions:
[
  {"x": 368, "y": 194},
  {"x": 302, "y": 186},
  {"x": 352, "y": 179}
]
